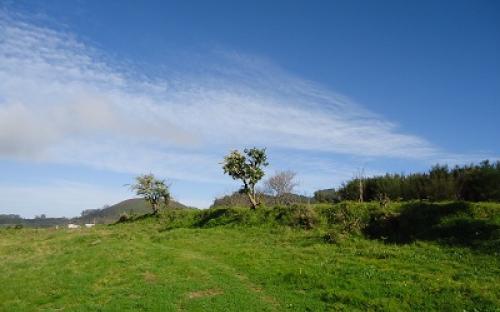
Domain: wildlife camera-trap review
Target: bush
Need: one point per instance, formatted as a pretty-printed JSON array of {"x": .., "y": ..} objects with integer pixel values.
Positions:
[
  {"x": 470, "y": 182},
  {"x": 124, "y": 217},
  {"x": 301, "y": 216},
  {"x": 453, "y": 223},
  {"x": 350, "y": 217},
  {"x": 178, "y": 218}
]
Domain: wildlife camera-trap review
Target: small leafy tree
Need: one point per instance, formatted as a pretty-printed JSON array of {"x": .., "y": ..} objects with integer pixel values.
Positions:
[
  {"x": 153, "y": 190},
  {"x": 247, "y": 167}
]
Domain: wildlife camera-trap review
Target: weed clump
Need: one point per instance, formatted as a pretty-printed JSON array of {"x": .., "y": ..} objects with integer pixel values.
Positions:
[
  {"x": 301, "y": 216},
  {"x": 333, "y": 237}
]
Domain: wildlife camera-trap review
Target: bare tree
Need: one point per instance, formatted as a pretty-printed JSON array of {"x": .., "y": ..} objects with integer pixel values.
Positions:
[
  {"x": 360, "y": 176},
  {"x": 281, "y": 184}
]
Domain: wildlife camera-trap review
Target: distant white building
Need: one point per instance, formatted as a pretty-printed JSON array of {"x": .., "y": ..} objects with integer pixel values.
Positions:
[
  {"x": 89, "y": 225},
  {"x": 73, "y": 226}
]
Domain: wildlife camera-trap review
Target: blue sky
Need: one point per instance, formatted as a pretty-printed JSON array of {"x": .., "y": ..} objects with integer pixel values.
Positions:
[{"x": 93, "y": 93}]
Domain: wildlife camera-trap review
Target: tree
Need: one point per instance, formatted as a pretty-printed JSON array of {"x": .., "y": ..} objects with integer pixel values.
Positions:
[
  {"x": 154, "y": 191},
  {"x": 247, "y": 167},
  {"x": 281, "y": 184},
  {"x": 360, "y": 179},
  {"x": 326, "y": 196}
]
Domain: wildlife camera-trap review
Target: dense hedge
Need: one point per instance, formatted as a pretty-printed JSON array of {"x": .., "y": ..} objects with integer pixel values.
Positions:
[{"x": 470, "y": 183}]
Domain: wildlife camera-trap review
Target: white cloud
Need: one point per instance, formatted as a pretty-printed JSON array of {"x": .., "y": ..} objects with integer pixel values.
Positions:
[{"x": 57, "y": 89}]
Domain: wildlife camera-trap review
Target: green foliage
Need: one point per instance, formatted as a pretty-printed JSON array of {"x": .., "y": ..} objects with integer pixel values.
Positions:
[
  {"x": 12, "y": 220},
  {"x": 349, "y": 217},
  {"x": 454, "y": 223},
  {"x": 474, "y": 225},
  {"x": 152, "y": 190},
  {"x": 440, "y": 256},
  {"x": 480, "y": 182},
  {"x": 178, "y": 218},
  {"x": 224, "y": 216},
  {"x": 248, "y": 168},
  {"x": 333, "y": 237},
  {"x": 124, "y": 217},
  {"x": 326, "y": 196},
  {"x": 295, "y": 216},
  {"x": 300, "y": 216},
  {"x": 470, "y": 183}
]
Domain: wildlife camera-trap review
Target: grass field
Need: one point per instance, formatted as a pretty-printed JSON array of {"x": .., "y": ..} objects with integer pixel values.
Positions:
[{"x": 147, "y": 266}]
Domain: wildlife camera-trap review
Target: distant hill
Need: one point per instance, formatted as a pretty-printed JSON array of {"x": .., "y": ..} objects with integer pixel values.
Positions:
[
  {"x": 38, "y": 222},
  {"x": 111, "y": 214}
]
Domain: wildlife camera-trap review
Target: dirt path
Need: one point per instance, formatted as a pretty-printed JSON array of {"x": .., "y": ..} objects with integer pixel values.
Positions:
[{"x": 212, "y": 267}]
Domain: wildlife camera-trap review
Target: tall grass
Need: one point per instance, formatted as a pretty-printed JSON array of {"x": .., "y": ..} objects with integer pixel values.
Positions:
[{"x": 474, "y": 225}]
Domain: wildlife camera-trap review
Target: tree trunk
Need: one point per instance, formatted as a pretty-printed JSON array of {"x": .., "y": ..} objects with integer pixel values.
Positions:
[
  {"x": 252, "y": 201},
  {"x": 155, "y": 208},
  {"x": 360, "y": 190}
]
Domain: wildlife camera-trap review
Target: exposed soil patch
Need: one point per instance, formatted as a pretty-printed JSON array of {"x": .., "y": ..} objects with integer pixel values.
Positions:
[
  {"x": 150, "y": 278},
  {"x": 204, "y": 293}
]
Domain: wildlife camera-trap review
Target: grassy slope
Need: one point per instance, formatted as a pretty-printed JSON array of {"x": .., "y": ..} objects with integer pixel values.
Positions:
[
  {"x": 112, "y": 213},
  {"x": 136, "y": 266}
]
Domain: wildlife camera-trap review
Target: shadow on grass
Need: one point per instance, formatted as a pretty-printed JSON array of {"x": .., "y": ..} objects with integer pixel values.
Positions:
[
  {"x": 130, "y": 219},
  {"x": 452, "y": 224},
  {"x": 209, "y": 215}
]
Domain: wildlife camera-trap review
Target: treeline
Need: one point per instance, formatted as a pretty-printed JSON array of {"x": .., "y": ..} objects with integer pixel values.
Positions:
[
  {"x": 13, "y": 220},
  {"x": 475, "y": 182},
  {"x": 237, "y": 199}
]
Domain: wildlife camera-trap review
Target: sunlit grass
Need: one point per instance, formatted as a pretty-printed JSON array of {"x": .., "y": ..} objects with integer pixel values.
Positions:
[{"x": 142, "y": 266}]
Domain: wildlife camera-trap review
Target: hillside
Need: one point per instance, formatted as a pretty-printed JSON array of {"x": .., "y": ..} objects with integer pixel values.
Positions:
[
  {"x": 110, "y": 214},
  {"x": 234, "y": 259},
  {"x": 134, "y": 206}
]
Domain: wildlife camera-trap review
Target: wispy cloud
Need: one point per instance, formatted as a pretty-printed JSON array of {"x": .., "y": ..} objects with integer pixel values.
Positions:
[{"x": 55, "y": 89}]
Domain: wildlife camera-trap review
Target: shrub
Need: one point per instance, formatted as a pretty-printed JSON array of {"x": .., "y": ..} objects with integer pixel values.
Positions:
[
  {"x": 301, "y": 216},
  {"x": 350, "y": 217},
  {"x": 124, "y": 217},
  {"x": 453, "y": 223},
  {"x": 178, "y": 218},
  {"x": 227, "y": 216}
]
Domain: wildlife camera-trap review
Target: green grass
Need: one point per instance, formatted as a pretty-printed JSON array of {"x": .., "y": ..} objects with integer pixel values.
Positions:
[{"x": 151, "y": 265}]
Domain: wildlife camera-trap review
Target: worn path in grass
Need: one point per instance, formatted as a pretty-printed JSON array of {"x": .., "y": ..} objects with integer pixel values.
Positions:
[{"x": 134, "y": 267}]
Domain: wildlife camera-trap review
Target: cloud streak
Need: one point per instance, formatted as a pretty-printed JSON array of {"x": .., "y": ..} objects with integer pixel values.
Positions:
[{"x": 56, "y": 91}]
